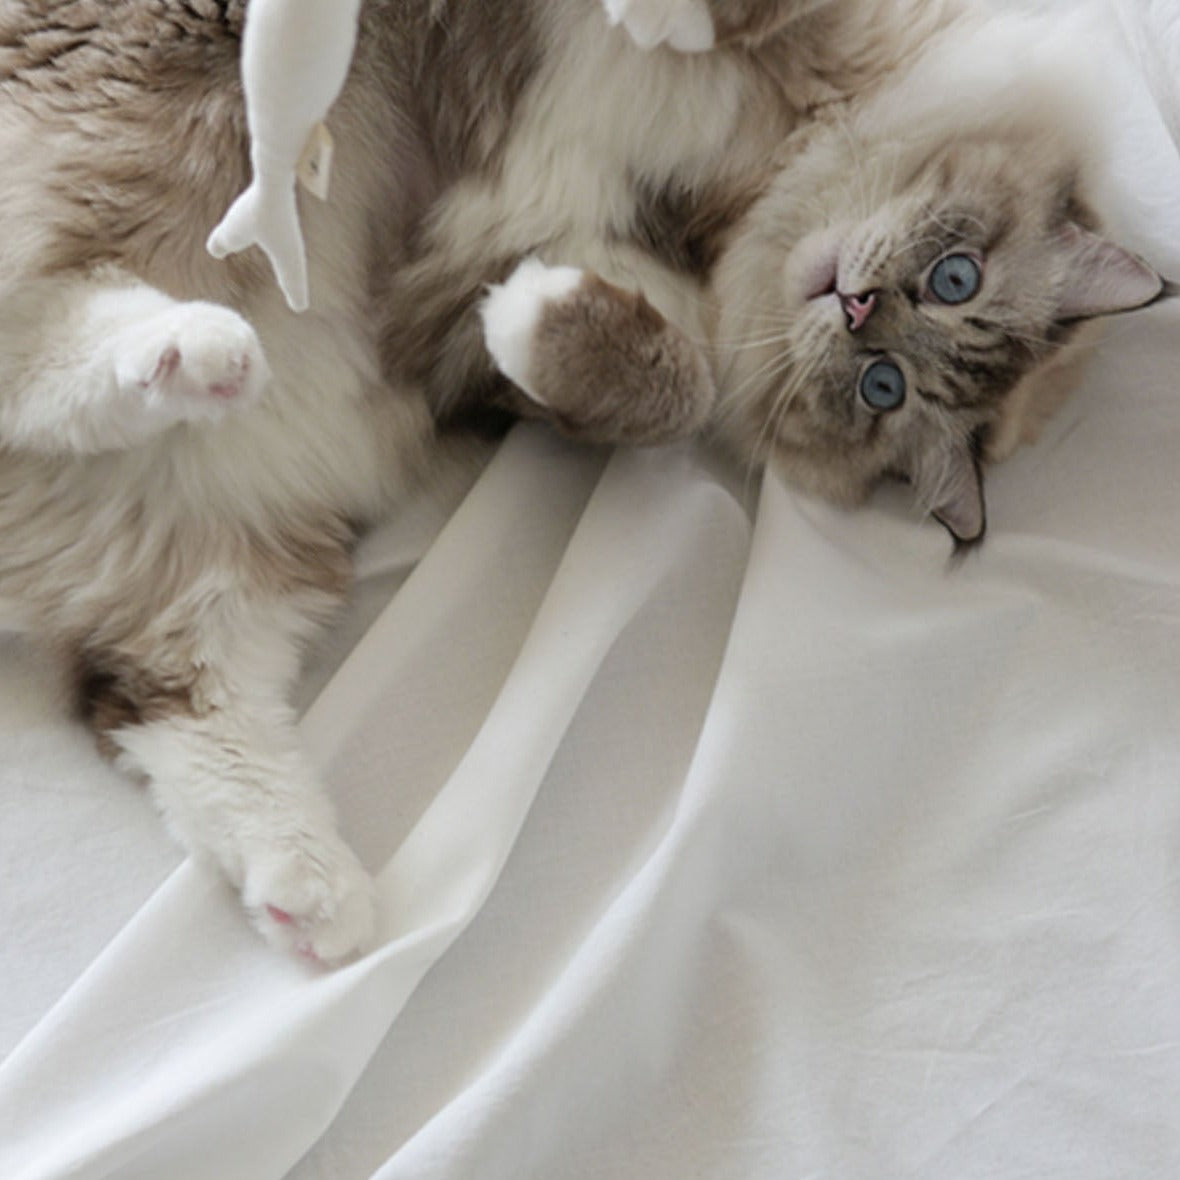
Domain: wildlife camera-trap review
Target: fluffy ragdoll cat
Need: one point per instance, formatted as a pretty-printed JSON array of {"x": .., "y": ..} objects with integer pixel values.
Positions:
[{"x": 866, "y": 223}]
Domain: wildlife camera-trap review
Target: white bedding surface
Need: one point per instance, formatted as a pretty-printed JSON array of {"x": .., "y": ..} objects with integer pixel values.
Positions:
[{"x": 716, "y": 838}]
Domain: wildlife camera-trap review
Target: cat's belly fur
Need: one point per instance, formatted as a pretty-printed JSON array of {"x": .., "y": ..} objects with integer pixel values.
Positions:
[
  {"x": 266, "y": 502},
  {"x": 95, "y": 549},
  {"x": 106, "y": 543},
  {"x": 122, "y": 546}
]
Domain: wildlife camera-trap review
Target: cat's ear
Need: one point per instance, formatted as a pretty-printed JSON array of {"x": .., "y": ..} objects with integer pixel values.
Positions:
[
  {"x": 951, "y": 487},
  {"x": 1102, "y": 278}
]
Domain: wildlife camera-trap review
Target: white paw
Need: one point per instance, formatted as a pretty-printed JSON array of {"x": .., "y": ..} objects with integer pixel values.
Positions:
[
  {"x": 685, "y": 25},
  {"x": 311, "y": 897},
  {"x": 192, "y": 362},
  {"x": 512, "y": 311}
]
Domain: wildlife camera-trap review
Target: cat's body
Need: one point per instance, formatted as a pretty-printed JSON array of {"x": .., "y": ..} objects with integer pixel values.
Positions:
[{"x": 178, "y": 525}]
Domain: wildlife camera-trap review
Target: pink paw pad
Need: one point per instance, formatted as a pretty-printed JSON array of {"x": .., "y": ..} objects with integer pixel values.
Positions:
[
  {"x": 168, "y": 364},
  {"x": 196, "y": 358},
  {"x": 225, "y": 390}
]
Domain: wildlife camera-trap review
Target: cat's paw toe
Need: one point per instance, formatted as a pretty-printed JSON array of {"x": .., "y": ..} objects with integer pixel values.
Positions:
[
  {"x": 684, "y": 25},
  {"x": 194, "y": 361},
  {"x": 319, "y": 903},
  {"x": 513, "y": 311}
]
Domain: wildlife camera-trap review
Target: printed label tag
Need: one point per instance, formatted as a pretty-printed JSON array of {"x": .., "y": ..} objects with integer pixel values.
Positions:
[{"x": 315, "y": 165}]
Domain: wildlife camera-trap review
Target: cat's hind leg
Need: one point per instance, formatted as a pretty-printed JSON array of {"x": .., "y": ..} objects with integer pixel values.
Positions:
[
  {"x": 103, "y": 362},
  {"x": 219, "y": 749},
  {"x": 597, "y": 360}
]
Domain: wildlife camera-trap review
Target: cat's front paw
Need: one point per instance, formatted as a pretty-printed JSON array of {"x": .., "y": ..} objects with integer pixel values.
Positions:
[
  {"x": 311, "y": 897},
  {"x": 513, "y": 313},
  {"x": 601, "y": 363},
  {"x": 684, "y": 25},
  {"x": 192, "y": 363}
]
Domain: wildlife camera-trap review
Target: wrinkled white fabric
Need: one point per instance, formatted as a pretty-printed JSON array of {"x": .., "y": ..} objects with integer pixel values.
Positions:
[{"x": 719, "y": 835}]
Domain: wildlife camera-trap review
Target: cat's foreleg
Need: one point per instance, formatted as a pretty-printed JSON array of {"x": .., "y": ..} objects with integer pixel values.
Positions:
[
  {"x": 596, "y": 357},
  {"x": 93, "y": 364},
  {"x": 219, "y": 749}
]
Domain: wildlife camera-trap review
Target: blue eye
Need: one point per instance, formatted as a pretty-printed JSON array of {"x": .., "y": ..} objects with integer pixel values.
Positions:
[
  {"x": 956, "y": 279},
  {"x": 883, "y": 386}
]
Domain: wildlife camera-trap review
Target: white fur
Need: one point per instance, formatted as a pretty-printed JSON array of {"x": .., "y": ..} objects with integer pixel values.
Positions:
[
  {"x": 568, "y": 174},
  {"x": 513, "y": 309},
  {"x": 1013, "y": 65},
  {"x": 235, "y": 789},
  {"x": 684, "y": 25},
  {"x": 94, "y": 367},
  {"x": 192, "y": 359},
  {"x": 567, "y": 177}
]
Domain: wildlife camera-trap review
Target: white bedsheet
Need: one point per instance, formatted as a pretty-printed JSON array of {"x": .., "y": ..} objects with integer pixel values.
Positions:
[{"x": 719, "y": 836}]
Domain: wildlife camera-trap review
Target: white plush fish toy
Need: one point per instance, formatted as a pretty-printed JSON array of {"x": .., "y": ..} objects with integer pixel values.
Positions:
[{"x": 295, "y": 58}]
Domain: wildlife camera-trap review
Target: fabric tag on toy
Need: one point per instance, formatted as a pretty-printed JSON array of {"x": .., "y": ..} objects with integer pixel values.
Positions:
[{"x": 315, "y": 165}]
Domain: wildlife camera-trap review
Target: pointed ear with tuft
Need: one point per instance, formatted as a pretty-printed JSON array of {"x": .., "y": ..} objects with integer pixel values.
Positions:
[
  {"x": 952, "y": 489},
  {"x": 1104, "y": 279}
]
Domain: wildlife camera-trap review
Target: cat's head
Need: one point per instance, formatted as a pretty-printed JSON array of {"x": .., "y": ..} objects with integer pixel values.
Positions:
[{"x": 916, "y": 315}]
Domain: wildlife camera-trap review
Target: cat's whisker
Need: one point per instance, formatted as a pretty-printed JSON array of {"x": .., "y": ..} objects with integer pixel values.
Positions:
[
  {"x": 785, "y": 398},
  {"x": 954, "y": 232},
  {"x": 884, "y": 185},
  {"x": 791, "y": 393},
  {"x": 739, "y": 392},
  {"x": 769, "y": 322},
  {"x": 763, "y": 445},
  {"x": 735, "y": 401},
  {"x": 783, "y": 337},
  {"x": 854, "y": 156},
  {"x": 912, "y": 243}
]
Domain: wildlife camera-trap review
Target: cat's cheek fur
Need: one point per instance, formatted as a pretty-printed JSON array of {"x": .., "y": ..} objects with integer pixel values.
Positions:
[{"x": 1030, "y": 405}]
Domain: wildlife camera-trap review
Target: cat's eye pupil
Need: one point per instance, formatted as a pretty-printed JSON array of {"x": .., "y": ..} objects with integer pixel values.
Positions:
[
  {"x": 883, "y": 385},
  {"x": 956, "y": 279}
]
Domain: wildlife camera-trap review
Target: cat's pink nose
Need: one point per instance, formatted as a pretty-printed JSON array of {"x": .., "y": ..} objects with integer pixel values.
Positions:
[{"x": 858, "y": 308}]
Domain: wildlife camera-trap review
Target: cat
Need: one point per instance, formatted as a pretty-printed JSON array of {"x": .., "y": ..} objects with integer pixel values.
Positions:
[
  {"x": 911, "y": 292},
  {"x": 761, "y": 219}
]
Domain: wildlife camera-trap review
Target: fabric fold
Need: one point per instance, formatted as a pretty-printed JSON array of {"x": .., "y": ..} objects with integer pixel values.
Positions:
[{"x": 252, "y": 1048}]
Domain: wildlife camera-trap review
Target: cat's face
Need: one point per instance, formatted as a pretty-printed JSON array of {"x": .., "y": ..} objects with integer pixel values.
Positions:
[{"x": 910, "y": 340}]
